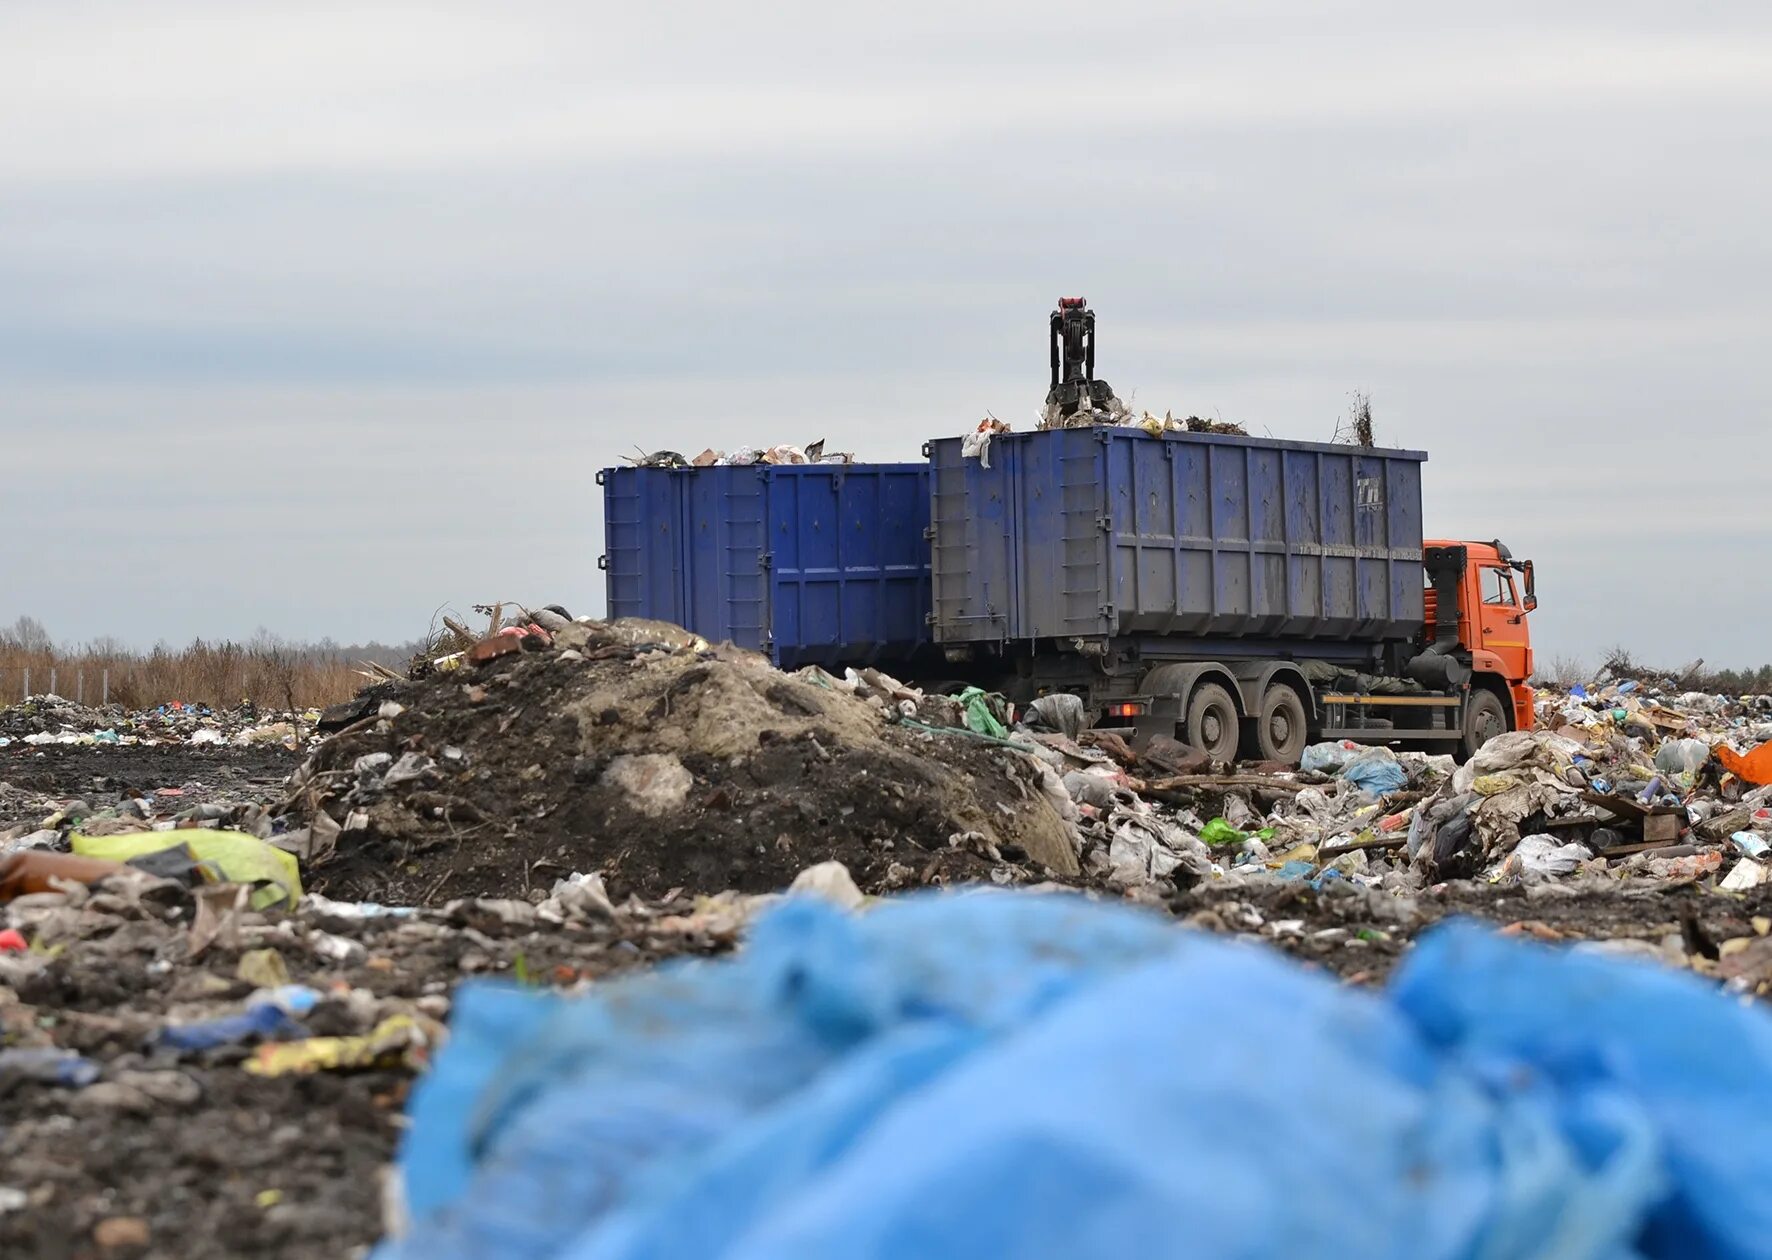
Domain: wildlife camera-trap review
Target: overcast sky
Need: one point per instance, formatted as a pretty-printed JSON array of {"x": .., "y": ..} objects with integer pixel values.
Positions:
[{"x": 317, "y": 317}]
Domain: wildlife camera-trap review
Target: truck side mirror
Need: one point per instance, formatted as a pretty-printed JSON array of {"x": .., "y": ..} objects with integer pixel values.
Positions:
[{"x": 1531, "y": 600}]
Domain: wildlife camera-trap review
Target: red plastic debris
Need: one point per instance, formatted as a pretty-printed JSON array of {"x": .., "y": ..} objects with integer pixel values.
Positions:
[{"x": 12, "y": 942}]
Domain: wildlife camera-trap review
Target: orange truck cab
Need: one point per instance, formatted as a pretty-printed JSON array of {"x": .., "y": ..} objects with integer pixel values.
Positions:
[
  {"x": 1468, "y": 664},
  {"x": 1483, "y": 634}
]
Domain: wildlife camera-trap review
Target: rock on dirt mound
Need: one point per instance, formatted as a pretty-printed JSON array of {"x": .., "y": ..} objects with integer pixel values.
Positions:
[{"x": 703, "y": 770}]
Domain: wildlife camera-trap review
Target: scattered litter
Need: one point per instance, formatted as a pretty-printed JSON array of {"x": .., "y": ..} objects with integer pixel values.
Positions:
[{"x": 600, "y": 796}]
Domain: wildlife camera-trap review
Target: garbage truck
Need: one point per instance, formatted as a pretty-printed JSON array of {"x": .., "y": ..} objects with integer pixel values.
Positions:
[{"x": 1245, "y": 594}]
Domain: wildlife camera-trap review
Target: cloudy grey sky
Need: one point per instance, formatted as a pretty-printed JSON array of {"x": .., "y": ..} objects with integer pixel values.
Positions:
[{"x": 316, "y": 317}]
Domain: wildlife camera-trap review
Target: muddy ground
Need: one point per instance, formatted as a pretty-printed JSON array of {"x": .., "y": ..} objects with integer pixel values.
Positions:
[{"x": 104, "y": 775}]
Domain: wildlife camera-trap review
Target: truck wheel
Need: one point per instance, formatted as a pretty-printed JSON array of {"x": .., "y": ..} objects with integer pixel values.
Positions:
[
  {"x": 1484, "y": 719},
  {"x": 1212, "y": 724},
  {"x": 1280, "y": 732}
]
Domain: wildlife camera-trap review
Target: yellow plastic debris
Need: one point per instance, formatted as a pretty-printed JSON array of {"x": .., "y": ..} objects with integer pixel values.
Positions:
[
  {"x": 399, "y": 1040},
  {"x": 1492, "y": 784},
  {"x": 236, "y": 858},
  {"x": 263, "y": 969}
]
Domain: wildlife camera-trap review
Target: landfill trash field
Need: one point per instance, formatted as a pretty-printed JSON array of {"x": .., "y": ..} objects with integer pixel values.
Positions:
[{"x": 227, "y": 959}]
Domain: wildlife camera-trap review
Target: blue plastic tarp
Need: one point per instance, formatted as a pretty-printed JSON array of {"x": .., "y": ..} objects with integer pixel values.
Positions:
[
  {"x": 999, "y": 1074},
  {"x": 1374, "y": 770}
]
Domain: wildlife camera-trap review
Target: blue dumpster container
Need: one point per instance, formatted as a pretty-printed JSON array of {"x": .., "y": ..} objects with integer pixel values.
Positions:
[
  {"x": 1101, "y": 532},
  {"x": 824, "y": 564}
]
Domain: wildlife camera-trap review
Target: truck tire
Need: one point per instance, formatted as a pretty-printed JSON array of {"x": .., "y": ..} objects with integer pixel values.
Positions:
[
  {"x": 1484, "y": 719},
  {"x": 1281, "y": 725},
  {"x": 1212, "y": 722}
]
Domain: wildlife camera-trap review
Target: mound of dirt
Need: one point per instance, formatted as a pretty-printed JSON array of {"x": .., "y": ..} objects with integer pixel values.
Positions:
[{"x": 701, "y": 770}]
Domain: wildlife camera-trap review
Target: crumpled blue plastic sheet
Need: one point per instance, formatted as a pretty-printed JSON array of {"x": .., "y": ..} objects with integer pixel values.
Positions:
[
  {"x": 1000, "y": 1074},
  {"x": 267, "y": 1021},
  {"x": 1375, "y": 770}
]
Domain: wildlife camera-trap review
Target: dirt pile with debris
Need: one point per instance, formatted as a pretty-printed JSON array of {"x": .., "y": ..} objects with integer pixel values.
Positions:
[{"x": 673, "y": 768}]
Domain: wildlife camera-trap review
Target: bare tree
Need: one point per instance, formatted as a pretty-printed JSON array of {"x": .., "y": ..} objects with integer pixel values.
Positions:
[
  {"x": 28, "y": 634},
  {"x": 1566, "y": 670},
  {"x": 283, "y": 661}
]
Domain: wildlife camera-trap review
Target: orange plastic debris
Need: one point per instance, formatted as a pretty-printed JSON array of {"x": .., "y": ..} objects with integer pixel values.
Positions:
[
  {"x": 31, "y": 870},
  {"x": 1755, "y": 766}
]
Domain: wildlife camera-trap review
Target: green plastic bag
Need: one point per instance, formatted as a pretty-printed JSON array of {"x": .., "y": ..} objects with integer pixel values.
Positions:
[
  {"x": 1218, "y": 833},
  {"x": 235, "y": 856},
  {"x": 979, "y": 717}
]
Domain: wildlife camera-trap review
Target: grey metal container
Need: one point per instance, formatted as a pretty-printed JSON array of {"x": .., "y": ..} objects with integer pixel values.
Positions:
[{"x": 1109, "y": 531}]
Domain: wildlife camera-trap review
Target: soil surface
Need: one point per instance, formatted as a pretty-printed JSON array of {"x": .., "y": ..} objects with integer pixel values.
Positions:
[{"x": 102, "y": 775}]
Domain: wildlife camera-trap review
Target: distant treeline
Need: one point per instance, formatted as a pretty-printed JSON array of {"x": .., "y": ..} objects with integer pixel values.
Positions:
[{"x": 266, "y": 670}]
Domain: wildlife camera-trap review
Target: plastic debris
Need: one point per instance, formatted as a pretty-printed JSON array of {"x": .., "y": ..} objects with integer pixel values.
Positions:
[
  {"x": 859, "y": 1110},
  {"x": 1219, "y": 833},
  {"x": 1060, "y": 712},
  {"x": 981, "y": 716},
  {"x": 44, "y": 1066},
  {"x": 1545, "y": 855},
  {"x": 1329, "y": 757},
  {"x": 1751, "y": 843},
  {"x": 263, "y": 968},
  {"x": 1746, "y": 874},
  {"x": 234, "y": 856},
  {"x": 264, "y": 1021},
  {"x": 1755, "y": 765},
  {"x": 398, "y": 1041},
  {"x": 1376, "y": 771}
]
